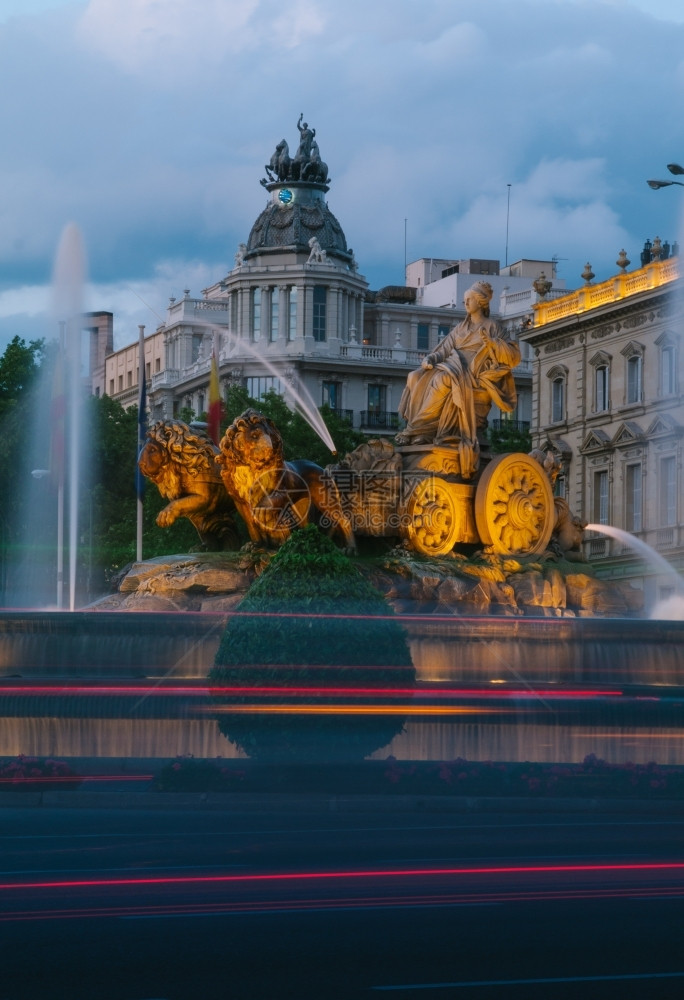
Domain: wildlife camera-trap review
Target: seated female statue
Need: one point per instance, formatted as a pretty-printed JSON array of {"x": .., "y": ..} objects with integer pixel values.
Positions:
[{"x": 447, "y": 400}]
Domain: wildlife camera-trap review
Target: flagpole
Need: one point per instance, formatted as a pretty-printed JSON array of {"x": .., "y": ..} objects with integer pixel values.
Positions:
[{"x": 141, "y": 441}]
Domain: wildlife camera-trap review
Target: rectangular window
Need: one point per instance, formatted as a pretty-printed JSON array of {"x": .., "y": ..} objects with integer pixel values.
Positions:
[
  {"x": 319, "y": 303},
  {"x": 120, "y": 383},
  {"x": 111, "y": 387},
  {"x": 442, "y": 332},
  {"x": 667, "y": 371},
  {"x": 259, "y": 385},
  {"x": 557, "y": 400},
  {"x": 197, "y": 339},
  {"x": 273, "y": 332},
  {"x": 331, "y": 395},
  {"x": 601, "y": 388},
  {"x": 633, "y": 497},
  {"x": 157, "y": 364},
  {"x": 292, "y": 314},
  {"x": 256, "y": 315},
  {"x": 129, "y": 379},
  {"x": 601, "y": 497},
  {"x": 148, "y": 366},
  {"x": 668, "y": 491},
  {"x": 634, "y": 379},
  {"x": 423, "y": 342},
  {"x": 376, "y": 398}
]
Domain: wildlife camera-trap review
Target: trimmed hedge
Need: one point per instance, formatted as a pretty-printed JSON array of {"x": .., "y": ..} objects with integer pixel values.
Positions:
[{"x": 311, "y": 621}]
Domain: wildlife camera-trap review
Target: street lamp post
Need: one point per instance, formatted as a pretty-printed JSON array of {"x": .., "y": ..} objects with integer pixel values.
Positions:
[{"x": 674, "y": 168}]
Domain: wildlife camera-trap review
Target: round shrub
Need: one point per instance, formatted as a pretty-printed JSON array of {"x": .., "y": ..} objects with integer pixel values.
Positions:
[{"x": 310, "y": 633}]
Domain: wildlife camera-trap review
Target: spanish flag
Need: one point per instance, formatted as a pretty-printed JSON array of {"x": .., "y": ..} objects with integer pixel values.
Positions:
[{"x": 214, "y": 412}]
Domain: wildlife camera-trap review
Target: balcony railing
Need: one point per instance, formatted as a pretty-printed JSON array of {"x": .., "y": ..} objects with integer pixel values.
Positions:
[
  {"x": 380, "y": 420},
  {"x": 665, "y": 537}
]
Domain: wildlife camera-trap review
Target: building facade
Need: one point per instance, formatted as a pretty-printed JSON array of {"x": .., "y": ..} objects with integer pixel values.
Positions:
[
  {"x": 608, "y": 401},
  {"x": 294, "y": 314}
]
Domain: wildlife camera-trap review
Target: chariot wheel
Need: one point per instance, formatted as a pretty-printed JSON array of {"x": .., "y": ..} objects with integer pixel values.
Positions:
[
  {"x": 429, "y": 521},
  {"x": 514, "y": 509}
]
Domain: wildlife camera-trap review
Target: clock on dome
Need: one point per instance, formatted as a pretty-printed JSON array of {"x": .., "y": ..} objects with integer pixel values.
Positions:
[{"x": 285, "y": 196}]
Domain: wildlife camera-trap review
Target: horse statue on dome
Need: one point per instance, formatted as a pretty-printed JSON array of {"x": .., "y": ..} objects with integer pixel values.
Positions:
[
  {"x": 315, "y": 169},
  {"x": 279, "y": 166}
]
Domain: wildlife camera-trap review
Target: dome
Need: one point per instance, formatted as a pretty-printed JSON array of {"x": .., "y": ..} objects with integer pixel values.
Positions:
[{"x": 296, "y": 213}]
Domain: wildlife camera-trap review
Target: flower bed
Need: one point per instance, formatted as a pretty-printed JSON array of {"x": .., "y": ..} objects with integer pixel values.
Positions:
[
  {"x": 37, "y": 774},
  {"x": 592, "y": 778}
]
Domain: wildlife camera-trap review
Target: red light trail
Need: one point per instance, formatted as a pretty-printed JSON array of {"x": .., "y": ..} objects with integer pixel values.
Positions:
[{"x": 373, "y": 873}]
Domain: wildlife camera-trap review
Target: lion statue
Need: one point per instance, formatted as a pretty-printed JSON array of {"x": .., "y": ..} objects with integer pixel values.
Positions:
[
  {"x": 274, "y": 497},
  {"x": 182, "y": 465},
  {"x": 568, "y": 529}
]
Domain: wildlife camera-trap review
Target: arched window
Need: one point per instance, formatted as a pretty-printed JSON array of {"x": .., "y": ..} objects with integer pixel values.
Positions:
[
  {"x": 667, "y": 370},
  {"x": 601, "y": 365},
  {"x": 601, "y": 382},
  {"x": 558, "y": 377},
  {"x": 557, "y": 399},
  {"x": 634, "y": 379},
  {"x": 634, "y": 373},
  {"x": 667, "y": 344}
]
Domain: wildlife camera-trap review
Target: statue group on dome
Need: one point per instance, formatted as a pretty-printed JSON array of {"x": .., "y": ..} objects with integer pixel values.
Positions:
[{"x": 305, "y": 165}]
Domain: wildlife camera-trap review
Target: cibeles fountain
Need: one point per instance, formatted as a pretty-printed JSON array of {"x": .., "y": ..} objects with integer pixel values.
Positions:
[{"x": 477, "y": 556}]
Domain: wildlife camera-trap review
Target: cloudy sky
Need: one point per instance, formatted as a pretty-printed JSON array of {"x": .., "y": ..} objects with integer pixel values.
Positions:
[{"x": 147, "y": 123}]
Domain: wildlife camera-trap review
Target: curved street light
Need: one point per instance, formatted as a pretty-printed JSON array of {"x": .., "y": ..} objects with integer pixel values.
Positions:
[{"x": 674, "y": 168}]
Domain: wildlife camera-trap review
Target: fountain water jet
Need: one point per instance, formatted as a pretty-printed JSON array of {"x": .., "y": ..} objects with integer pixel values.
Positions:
[
  {"x": 671, "y": 607},
  {"x": 299, "y": 399},
  {"x": 68, "y": 283}
]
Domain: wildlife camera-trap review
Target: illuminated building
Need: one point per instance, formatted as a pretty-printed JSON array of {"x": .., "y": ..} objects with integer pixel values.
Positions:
[{"x": 607, "y": 400}]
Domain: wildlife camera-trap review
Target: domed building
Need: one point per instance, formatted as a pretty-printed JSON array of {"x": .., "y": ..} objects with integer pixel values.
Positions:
[{"x": 294, "y": 312}]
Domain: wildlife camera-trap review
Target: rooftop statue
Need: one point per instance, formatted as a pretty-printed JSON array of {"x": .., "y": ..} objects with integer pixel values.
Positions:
[
  {"x": 447, "y": 399},
  {"x": 278, "y": 168},
  {"x": 305, "y": 165}
]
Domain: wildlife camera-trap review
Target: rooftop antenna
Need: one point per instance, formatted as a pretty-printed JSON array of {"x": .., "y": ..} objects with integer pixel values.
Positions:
[
  {"x": 405, "y": 258},
  {"x": 508, "y": 214},
  {"x": 554, "y": 264}
]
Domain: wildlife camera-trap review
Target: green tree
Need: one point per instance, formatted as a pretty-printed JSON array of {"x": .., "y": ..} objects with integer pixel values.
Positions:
[
  {"x": 508, "y": 438},
  {"x": 19, "y": 367},
  {"x": 19, "y": 370},
  {"x": 311, "y": 621}
]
